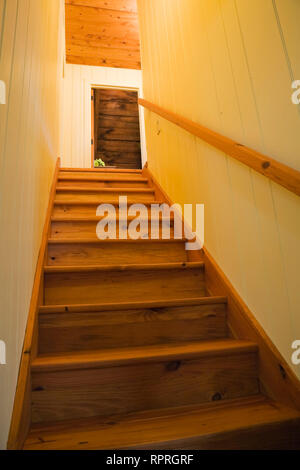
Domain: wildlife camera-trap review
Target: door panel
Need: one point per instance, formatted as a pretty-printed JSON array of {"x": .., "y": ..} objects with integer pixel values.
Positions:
[{"x": 117, "y": 128}]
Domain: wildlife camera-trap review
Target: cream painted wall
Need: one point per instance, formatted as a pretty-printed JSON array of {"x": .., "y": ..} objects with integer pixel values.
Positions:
[
  {"x": 229, "y": 65},
  {"x": 31, "y": 62},
  {"x": 78, "y": 82}
]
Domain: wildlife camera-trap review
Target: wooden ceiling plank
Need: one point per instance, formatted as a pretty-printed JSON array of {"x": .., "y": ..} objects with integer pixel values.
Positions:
[
  {"x": 103, "y": 51},
  {"x": 99, "y": 34},
  {"x": 94, "y": 14},
  {"x": 93, "y": 41},
  {"x": 119, "y": 5},
  {"x": 103, "y": 62}
]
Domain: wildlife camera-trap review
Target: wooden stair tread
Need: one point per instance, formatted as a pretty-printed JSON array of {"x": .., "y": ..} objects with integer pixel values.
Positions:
[
  {"x": 132, "y": 305},
  {"x": 59, "y": 241},
  {"x": 157, "y": 353},
  {"x": 98, "y": 219},
  {"x": 125, "y": 267},
  {"x": 104, "y": 190},
  {"x": 102, "y": 178},
  {"x": 176, "y": 428},
  {"x": 57, "y": 202},
  {"x": 99, "y": 170}
]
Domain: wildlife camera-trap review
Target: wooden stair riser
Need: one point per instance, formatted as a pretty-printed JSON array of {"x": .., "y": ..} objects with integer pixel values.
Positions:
[
  {"x": 101, "y": 184},
  {"x": 67, "y": 332},
  {"x": 71, "y": 394},
  {"x": 137, "y": 196},
  {"x": 98, "y": 174},
  {"x": 88, "y": 229},
  {"x": 109, "y": 253},
  {"x": 126, "y": 286}
]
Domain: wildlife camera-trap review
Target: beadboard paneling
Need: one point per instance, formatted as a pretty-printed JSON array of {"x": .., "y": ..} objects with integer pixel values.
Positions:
[
  {"x": 31, "y": 66},
  {"x": 229, "y": 65}
]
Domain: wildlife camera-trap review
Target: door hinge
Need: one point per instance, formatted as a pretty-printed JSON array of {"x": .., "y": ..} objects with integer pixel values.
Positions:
[
  {"x": 92, "y": 141},
  {"x": 92, "y": 98}
]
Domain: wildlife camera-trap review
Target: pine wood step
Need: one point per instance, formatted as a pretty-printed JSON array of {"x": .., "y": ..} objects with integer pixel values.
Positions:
[
  {"x": 114, "y": 241},
  {"x": 101, "y": 171},
  {"x": 159, "y": 267},
  {"x": 89, "y": 209},
  {"x": 63, "y": 228},
  {"x": 248, "y": 423},
  {"x": 122, "y": 178},
  {"x": 95, "y": 184},
  {"x": 70, "y": 252},
  {"x": 73, "y": 308},
  {"x": 95, "y": 181},
  {"x": 70, "y": 328},
  {"x": 121, "y": 381},
  {"x": 138, "y": 195},
  {"x": 142, "y": 355},
  {"x": 126, "y": 283},
  {"x": 67, "y": 218}
]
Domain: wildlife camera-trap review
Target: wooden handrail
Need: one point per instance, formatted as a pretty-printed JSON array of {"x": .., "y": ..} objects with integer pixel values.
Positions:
[{"x": 267, "y": 166}]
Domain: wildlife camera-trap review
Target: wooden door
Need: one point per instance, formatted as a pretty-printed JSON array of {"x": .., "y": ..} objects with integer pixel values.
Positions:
[{"x": 117, "y": 128}]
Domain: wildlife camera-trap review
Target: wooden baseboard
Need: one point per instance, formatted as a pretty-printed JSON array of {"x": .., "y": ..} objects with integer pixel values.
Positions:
[
  {"x": 277, "y": 378},
  {"x": 160, "y": 194},
  {"x": 21, "y": 416}
]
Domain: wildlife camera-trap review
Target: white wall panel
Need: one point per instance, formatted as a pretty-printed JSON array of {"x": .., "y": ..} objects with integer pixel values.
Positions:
[
  {"x": 78, "y": 82},
  {"x": 229, "y": 65},
  {"x": 31, "y": 59}
]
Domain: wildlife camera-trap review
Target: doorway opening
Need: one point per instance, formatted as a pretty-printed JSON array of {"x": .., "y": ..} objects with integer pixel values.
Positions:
[{"x": 116, "y": 138}]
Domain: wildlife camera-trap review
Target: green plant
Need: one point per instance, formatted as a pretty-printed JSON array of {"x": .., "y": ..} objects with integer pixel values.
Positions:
[{"x": 99, "y": 163}]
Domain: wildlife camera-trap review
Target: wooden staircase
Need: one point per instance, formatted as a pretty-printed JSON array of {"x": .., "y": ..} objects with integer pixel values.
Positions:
[{"x": 133, "y": 350}]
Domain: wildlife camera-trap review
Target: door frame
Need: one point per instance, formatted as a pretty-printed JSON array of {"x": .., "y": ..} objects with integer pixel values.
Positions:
[
  {"x": 93, "y": 127},
  {"x": 141, "y": 119}
]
